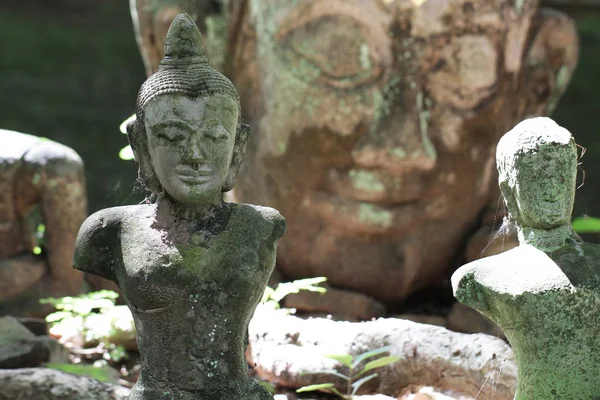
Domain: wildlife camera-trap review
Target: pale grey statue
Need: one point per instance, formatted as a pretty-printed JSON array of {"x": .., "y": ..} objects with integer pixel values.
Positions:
[{"x": 192, "y": 267}]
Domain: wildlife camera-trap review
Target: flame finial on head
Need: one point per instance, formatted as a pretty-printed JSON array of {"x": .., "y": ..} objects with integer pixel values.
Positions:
[{"x": 183, "y": 43}]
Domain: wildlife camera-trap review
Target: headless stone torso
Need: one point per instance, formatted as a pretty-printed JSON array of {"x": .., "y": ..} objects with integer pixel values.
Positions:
[
  {"x": 547, "y": 305},
  {"x": 191, "y": 292},
  {"x": 545, "y": 293}
]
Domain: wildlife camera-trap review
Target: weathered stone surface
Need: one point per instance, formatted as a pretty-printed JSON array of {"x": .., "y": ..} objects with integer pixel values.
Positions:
[
  {"x": 464, "y": 319},
  {"x": 545, "y": 293},
  {"x": 16, "y": 275},
  {"x": 377, "y": 122},
  {"x": 191, "y": 267},
  {"x": 49, "y": 384},
  {"x": 41, "y": 182},
  {"x": 288, "y": 350},
  {"x": 423, "y": 319},
  {"x": 353, "y": 305},
  {"x": 20, "y": 348}
]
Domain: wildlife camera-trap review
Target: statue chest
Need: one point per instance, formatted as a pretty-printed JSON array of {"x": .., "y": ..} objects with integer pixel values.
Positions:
[{"x": 163, "y": 270}]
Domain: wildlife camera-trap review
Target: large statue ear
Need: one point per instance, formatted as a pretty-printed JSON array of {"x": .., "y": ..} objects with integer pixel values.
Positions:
[
  {"x": 549, "y": 62},
  {"x": 239, "y": 149}
]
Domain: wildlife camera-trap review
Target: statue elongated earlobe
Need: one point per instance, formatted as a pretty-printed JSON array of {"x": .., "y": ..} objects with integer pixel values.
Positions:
[
  {"x": 239, "y": 148},
  {"x": 138, "y": 141}
]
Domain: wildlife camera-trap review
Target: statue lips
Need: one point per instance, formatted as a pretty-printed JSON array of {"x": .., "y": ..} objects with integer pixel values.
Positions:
[{"x": 194, "y": 176}]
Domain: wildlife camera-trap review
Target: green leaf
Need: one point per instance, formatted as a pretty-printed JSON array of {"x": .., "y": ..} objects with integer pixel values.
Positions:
[
  {"x": 123, "y": 126},
  {"x": 380, "y": 362},
  {"x": 345, "y": 359},
  {"x": 586, "y": 225},
  {"x": 313, "y": 388},
  {"x": 329, "y": 372},
  {"x": 283, "y": 289},
  {"x": 267, "y": 385},
  {"x": 369, "y": 354},
  {"x": 126, "y": 153},
  {"x": 37, "y": 250},
  {"x": 321, "y": 386},
  {"x": 356, "y": 385}
]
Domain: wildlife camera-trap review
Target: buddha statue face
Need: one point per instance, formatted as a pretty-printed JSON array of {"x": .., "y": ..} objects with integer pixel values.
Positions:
[
  {"x": 375, "y": 123},
  {"x": 190, "y": 143},
  {"x": 537, "y": 162}
]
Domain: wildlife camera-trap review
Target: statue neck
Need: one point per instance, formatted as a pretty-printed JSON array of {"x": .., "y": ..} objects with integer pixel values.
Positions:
[
  {"x": 189, "y": 212},
  {"x": 548, "y": 240}
]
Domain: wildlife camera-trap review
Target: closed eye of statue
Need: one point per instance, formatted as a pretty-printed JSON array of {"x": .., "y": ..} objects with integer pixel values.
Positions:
[{"x": 331, "y": 50}]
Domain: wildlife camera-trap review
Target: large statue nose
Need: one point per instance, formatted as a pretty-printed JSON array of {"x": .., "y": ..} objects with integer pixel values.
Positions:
[{"x": 397, "y": 142}]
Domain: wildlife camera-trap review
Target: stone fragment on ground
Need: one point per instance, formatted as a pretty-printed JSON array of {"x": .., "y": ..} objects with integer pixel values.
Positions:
[
  {"x": 49, "y": 384},
  {"x": 436, "y": 320},
  {"x": 346, "y": 304},
  {"x": 288, "y": 350},
  {"x": 20, "y": 348}
]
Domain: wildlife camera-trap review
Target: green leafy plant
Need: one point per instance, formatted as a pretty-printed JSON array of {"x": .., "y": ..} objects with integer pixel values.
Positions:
[
  {"x": 586, "y": 225},
  {"x": 97, "y": 317},
  {"x": 274, "y": 296},
  {"x": 356, "y": 373}
]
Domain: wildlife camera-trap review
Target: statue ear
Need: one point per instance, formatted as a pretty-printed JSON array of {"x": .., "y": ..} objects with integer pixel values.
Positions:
[
  {"x": 549, "y": 62},
  {"x": 136, "y": 134},
  {"x": 239, "y": 149}
]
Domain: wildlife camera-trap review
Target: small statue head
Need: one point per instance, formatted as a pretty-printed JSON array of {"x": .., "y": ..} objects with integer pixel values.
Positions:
[
  {"x": 187, "y": 138},
  {"x": 537, "y": 165}
]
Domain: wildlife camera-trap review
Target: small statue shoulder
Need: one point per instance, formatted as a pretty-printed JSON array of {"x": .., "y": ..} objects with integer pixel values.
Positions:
[
  {"x": 97, "y": 248},
  {"x": 269, "y": 221}
]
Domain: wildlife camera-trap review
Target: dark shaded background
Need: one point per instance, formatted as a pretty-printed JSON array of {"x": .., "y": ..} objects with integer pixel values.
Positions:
[{"x": 70, "y": 71}]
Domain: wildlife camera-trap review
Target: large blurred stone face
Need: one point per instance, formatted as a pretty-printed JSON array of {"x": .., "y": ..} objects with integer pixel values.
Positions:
[{"x": 375, "y": 125}]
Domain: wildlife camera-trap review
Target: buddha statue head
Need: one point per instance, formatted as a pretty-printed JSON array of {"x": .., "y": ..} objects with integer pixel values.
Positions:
[
  {"x": 377, "y": 120},
  {"x": 187, "y": 137},
  {"x": 537, "y": 166}
]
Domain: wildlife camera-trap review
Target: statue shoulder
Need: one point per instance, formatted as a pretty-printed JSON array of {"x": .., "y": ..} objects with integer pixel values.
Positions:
[
  {"x": 97, "y": 248},
  {"x": 272, "y": 224}
]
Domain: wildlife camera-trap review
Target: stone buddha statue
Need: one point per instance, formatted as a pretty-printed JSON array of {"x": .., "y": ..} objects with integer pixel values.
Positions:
[
  {"x": 545, "y": 293},
  {"x": 192, "y": 268},
  {"x": 377, "y": 122},
  {"x": 42, "y": 183}
]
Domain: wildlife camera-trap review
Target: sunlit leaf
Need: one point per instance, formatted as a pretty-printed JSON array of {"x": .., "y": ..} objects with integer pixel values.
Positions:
[
  {"x": 380, "y": 362},
  {"x": 356, "y": 385},
  {"x": 123, "y": 126},
  {"x": 345, "y": 359},
  {"x": 126, "y": 153},
  {"x": 37, "y": 250},
  {"x": 369, "y": 354},
  {"x": 586, "y": 224},
  {"x": 330, "y": 387},
  {"x": 327, "y": 371},
  {"x": 312, "y": 388}
]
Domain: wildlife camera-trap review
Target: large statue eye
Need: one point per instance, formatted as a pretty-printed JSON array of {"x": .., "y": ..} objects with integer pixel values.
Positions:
[
  {"x": 171, "y": 134},
  {"x": 331, "y": 50}
]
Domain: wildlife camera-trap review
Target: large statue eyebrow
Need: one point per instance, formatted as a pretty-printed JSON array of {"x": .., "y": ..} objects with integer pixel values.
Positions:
[{"x": 170, "y": 122}]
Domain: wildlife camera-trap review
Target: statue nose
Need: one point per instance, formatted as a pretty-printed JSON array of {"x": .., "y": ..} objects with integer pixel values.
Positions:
[
  {"x": 397, "y": 146},
  {"x": 194, "y": 151}
]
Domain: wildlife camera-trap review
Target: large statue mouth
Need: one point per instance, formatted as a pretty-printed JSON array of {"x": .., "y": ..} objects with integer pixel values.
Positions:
[
  {"x": 194, "y": 174},
  {"x": 371, "y": 218}
]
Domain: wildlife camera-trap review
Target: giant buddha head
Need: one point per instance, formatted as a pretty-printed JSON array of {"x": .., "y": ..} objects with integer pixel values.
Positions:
[{"x": 377, "y": 120}]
